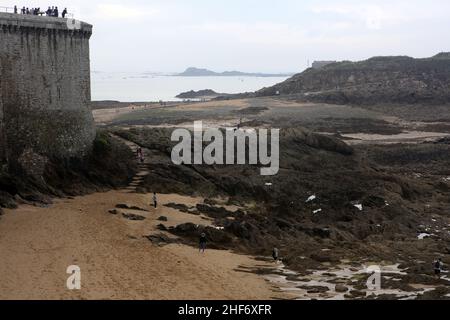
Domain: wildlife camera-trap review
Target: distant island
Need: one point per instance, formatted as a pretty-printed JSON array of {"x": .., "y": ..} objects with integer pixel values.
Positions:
[{"x": 197, "y": 72}]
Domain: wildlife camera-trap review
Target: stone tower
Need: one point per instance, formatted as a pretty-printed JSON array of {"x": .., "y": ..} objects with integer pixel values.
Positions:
[{"x": 44, "y": 90}]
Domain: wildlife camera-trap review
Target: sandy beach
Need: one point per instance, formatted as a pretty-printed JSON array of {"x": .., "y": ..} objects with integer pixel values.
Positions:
[{"x": 117, "y": 262}]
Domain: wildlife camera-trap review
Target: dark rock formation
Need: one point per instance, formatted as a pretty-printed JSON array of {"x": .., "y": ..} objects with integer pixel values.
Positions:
[
  {"x": 374, "y": 81},
  {"x": 341, "y": 288},
  {"x": 380, "y": 178},
  {"x": 217, "y": 239},
  {"x": 161, "y": 239},
  {"x": 133, "y": 217},
  {"x": 207, "y": 93},
  {"x": 177, "y": 206},
  {"x": 213, "y": 211},
  {"x": 110, "y": 165},
  {"x": 315, "y": 289}
]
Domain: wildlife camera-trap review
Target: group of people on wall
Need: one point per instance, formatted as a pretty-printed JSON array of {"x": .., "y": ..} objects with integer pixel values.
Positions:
[{"x": 50, "y": 12}]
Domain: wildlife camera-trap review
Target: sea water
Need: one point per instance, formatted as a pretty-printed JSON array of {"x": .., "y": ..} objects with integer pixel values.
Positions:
[{"x": 140, "y": 87}]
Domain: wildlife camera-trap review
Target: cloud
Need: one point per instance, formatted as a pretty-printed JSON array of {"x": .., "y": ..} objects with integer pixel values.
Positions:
[
  {"x": 262, "y": 33},
  {"x": 118, "y": 11},
  {"x": 255, "y": 35},
  {"x": 374, "y": 17}
]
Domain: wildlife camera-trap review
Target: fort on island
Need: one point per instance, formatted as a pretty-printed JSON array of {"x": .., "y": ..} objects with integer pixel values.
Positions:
[{"x": 44, "y": 90}]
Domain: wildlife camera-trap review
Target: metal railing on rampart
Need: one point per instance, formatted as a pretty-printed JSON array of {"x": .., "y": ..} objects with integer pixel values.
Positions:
[{"x": 41, "y": 14}]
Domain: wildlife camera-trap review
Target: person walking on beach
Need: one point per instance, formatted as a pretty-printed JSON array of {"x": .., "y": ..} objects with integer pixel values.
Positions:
[
  {"x": 275, "y": 254},
  {"x": 140, "y": 154},
  {"x": 438, "y": 268},
  {"x": 15, "y": 10},
  {"x": 64, "y": 13},
  {"x": 155, "y": 200},
  {"x": 202, "y": 243}
]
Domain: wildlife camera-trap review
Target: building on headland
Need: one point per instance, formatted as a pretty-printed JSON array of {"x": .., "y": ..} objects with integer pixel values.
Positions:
[
  {"x": 44, "y": 90},
  {"x": 321, "y": 64}
]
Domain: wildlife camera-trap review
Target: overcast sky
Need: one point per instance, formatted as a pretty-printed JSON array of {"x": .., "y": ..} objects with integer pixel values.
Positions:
[{"x": 254, "y": 35}]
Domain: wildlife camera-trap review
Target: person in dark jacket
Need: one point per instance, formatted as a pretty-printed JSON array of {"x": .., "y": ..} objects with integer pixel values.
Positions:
[
  {"x": 275, "y": 254},
  {"x": 202, "y": 243},
  {"x": 155, "y": 200},
  {"x": 438, "y": 267}
]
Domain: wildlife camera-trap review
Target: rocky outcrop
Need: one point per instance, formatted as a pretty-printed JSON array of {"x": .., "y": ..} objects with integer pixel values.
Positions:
[
  {"x": 207, "y": 93},
  {"x": 317, "y": 141},
  {"x": 111, "y": 165},
  {"x": 377, "y": 80},
  {"x": 217, "y": 239},
  {"x": 133, "y": 217}
]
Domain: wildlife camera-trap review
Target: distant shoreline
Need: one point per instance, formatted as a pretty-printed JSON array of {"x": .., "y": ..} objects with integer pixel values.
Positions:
[
  {"x": 196, "y": 72},
  {"x": 220, "y": 75}
]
